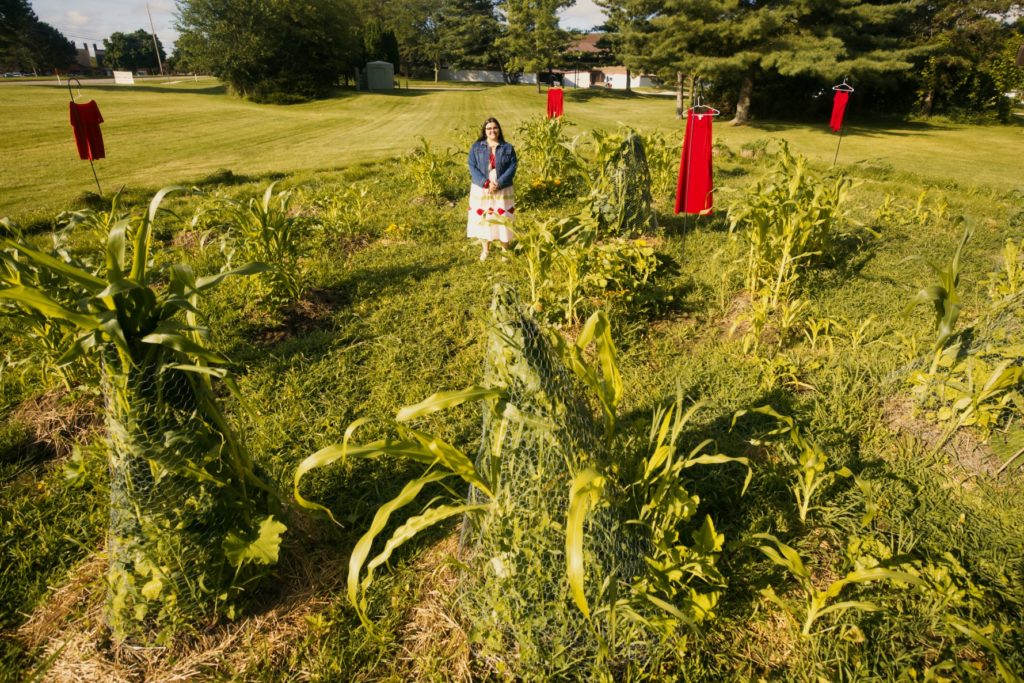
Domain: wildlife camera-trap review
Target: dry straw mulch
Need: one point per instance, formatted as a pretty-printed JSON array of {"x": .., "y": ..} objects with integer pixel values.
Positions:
[{"x": 69, "y": 629}]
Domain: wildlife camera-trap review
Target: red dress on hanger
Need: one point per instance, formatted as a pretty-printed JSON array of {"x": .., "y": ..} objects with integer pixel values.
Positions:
[
  {"x": 556, "y": 100},
  {"x": 695, "y": 186},
  {"x": 838, "y": 109},
  {"x": 85, "y": 121}
]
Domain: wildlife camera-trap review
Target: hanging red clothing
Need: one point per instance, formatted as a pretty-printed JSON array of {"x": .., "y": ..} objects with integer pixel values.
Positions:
[
  {"x": 85, "y": 121},
  {"x": 838, "y": 109},
  {"x": 556, "y": 100},
  {"x": 694, "y": 190}
]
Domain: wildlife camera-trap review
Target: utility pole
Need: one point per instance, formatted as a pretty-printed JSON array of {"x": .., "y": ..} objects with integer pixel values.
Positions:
[{"x": 156, "y": 45}]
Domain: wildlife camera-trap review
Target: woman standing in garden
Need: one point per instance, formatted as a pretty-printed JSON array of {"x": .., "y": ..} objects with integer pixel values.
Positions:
[{"x": 492, "y": 204}]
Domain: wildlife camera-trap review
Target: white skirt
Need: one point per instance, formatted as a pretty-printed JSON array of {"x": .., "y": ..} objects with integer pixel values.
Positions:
[{"x": 491, "y": 214}]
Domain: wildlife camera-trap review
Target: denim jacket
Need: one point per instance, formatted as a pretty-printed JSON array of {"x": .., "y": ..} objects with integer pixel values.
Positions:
[{"x": 504, "y": 162}]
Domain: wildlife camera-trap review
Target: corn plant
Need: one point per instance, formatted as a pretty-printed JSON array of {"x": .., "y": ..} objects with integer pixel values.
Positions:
[
  {"x": 265, "y": 230},
  {"x": 944, "y": 296},
  {"x": 620, "y": 191},
  {"x": 571, "y": 270},
  {"x": 430, "y": 170},
  {"x": 544, "y": 481},
  {"x": 348, "y": 211},
  {"x": 49, "y": 337},
  {"x": 547, "y": 163},
  {"x": 789, "y": 220},
  {"x": 807, "y": 467},
  {"x": 1010, "y": 279},
  {"x": 191, "y": 521},
  {"x": 821, "y": 602}
]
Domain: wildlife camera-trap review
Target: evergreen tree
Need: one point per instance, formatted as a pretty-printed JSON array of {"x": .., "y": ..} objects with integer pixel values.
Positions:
[
  {"x": 468, "y": 30},
  {"x": 532, "y": 40},
  {"x": 741, "y": 41}
]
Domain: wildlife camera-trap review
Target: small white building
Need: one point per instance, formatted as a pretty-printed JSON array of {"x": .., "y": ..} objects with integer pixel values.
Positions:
[
  {"x": 614, "y": 77},
  {"x": 380, "y": 76}
]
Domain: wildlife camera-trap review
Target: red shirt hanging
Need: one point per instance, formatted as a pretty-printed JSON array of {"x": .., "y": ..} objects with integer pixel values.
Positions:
[
  {"x": 556, "y": 101},
  {"x": 838, "y": 109},
  {"x": 85, "y": 121},
  {"x": 695, "y": 187}
]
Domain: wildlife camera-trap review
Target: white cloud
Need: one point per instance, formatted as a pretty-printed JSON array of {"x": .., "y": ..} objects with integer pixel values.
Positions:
[
  {"x": 583, "y": 15},
  {"x": 77, "y": 19}
]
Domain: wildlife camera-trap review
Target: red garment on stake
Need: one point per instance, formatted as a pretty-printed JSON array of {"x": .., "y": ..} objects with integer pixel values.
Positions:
[
  {"x": 838, "y": 109},
  {"x": 694, "y": 190},
  {"x": 85, "y": 121},
  {"x": 556, "y": 98}
]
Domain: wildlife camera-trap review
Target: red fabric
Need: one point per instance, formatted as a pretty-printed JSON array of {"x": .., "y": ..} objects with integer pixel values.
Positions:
[
  {"x": 838, "y": 109},
  {"x": 556, "y": 102},
  {"x": 85, "y": 121},
  {"x": 694, "y": 190}
]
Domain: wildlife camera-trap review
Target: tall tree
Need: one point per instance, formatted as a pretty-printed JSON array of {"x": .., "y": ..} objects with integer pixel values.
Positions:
[
  {"x": 132, "y": 51},
  {"x": 532, "y": 40},
  {"x": 27, "y": 44},
  {"x": 286, "y": 50},
  {"x": 742, "y": 40},
  {"x": 965, "y": 68},
  {"x": 468, "y": 31}
]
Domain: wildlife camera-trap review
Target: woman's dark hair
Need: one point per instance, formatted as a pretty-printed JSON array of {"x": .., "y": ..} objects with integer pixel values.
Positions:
[{"x": 483, "y": 130}]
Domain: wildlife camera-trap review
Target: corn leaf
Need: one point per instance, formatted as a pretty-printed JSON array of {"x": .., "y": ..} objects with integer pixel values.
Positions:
[
  {"x": 380, "y": 520},
  {"x": 37, "y": 301},
  {"x": 414, "y": 525},
  {"x": 87, "y": 280},
  {"x": 184, "y": 345},
  {"x": 204, "y": 283},
  {"x": 585, "y": 490},
  {"x": 454, "y": 459},
  {"x": 144, "y": 236},
  {"x": 443, "y": 400}
]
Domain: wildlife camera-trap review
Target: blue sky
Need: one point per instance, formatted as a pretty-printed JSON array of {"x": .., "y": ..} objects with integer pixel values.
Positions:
[{"x": 90, "y": 21}]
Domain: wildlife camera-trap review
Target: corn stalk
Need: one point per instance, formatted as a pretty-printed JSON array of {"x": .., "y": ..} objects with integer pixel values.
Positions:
[{"x": 191, "y": 520}]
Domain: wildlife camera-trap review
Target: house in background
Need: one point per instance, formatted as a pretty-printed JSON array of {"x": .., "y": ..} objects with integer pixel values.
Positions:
[
  {"x": 591, "y": 64},
  {"x": 88, "y": 61}
]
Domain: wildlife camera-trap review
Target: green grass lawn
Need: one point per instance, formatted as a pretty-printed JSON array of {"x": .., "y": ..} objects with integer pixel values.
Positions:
[
  {"x": 395, "y": 309},
  {"x": 180, "y": 131}
]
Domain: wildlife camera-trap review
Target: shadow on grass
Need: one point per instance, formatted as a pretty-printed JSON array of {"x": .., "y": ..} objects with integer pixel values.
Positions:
[
  {"x": 886, "y": 127},
  {"x": 588, "y": 94}
]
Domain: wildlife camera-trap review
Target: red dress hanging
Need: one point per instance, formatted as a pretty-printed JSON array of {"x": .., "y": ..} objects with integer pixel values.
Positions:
[
  {"x": 838, "y": 109},
  {"x": 694, "y": 190},
  {"x": 556, "y": 99},
  {"x": 85, "y": 121}
]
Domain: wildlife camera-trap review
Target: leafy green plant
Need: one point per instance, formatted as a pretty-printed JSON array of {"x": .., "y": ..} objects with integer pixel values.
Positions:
[
  {"x": 620, "y": 189},
  {"x": 192, "y": 523},
  {"x": 50, "y": 337},
  {"x": 821, "y": 602},
  {"x": 548, "y": 168},
  {"x": 788, "y": 220},
  {"x": 807, "y": 467},
  {"x": 430, "y": 171},
  {"x": 540, "y": 477},
  {"x": 571, "y": 271},
  {"x": 265, "y": 230},
  {"x": 944, "y": 297}
]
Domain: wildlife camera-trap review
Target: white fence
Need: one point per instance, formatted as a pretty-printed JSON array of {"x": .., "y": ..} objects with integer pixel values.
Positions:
[{"x": 480, "y": 76}]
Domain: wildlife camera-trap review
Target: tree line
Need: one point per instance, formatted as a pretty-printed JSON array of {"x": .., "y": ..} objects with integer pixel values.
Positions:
[
  {"x": 751, "y": 57},
  {"x": 770, "y": 58}
]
